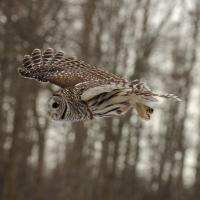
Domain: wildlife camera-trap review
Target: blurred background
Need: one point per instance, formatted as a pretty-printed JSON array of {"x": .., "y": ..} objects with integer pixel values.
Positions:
[{"x": 108, "y": 159}]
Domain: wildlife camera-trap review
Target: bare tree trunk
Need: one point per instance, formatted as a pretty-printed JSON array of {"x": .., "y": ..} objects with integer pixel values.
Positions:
[
  {"x": 10, "y": 191},
  {"x": 103, "y": 178}
]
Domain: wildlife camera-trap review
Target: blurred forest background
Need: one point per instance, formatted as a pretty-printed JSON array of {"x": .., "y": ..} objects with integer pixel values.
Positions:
[{"x": 108, "y": 159}]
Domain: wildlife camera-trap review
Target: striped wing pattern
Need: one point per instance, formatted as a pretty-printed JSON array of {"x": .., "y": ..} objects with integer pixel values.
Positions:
[
  {"x": 104, "y": 93},
  {"x": 64, "y": 72}
]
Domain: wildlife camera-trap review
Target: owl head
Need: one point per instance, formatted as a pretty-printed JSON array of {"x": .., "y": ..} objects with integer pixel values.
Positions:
[
  {"x": 64, "y": 105},
  {"x": 57, "y": 107}
]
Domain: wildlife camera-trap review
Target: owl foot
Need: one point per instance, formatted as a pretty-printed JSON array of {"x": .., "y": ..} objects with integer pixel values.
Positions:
[{"x": 144, "y": 111}]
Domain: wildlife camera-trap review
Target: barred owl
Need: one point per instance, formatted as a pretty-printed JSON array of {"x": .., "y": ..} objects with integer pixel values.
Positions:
[{"x": 86, "y": 92}]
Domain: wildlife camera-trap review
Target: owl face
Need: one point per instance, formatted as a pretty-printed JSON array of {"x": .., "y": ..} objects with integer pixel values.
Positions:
[
  {"x": 64, "y": 106},
  {"x": 57, "y": 107}
]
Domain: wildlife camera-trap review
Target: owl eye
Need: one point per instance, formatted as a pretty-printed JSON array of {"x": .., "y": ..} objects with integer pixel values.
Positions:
[{"x": 55, "y": 105}]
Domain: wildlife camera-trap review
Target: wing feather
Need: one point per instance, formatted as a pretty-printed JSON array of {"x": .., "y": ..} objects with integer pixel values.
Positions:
[
  {"x": 71, "y": 72},
  {"x": 64, "y": 72}
]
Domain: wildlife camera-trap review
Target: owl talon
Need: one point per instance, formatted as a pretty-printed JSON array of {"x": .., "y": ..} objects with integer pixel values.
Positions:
[{"x": 150, "y": 110}]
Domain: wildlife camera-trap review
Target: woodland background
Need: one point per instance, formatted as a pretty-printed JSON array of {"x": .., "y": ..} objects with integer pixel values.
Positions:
[{"x": 109, "y": 159}]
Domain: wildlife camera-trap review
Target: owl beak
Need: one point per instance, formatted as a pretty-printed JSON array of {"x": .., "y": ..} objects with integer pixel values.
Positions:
[
  {"x": 49, "y": 113},
  {"x": 52, "y": 115}
]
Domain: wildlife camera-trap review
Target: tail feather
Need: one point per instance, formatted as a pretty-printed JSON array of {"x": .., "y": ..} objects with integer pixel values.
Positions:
[
  {"x": 148, "y": 94},
  {"x": 168, "y": 96},
  {"x": 139, "y": 88}
]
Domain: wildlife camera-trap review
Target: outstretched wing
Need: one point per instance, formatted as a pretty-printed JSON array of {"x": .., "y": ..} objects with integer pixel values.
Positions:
[
  {"x": 69, "y": 72},
  {"x": 90, "y": 89},
  {"x": 64, "y": 72}
]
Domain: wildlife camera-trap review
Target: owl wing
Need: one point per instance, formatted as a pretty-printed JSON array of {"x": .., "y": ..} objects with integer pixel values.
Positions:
[
  {"x": 70, "y": 72},
  {"x": 90, "y": 89},
  {"x": 64, "y": 72}
]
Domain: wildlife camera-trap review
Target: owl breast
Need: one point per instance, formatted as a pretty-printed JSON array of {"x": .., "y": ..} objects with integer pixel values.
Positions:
[
  {"x": 74, "y": 108},
  {"x": 77, "y": 111}
]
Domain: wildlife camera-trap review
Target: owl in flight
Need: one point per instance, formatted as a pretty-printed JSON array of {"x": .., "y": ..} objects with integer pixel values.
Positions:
[{"x": 86, "y": 92}]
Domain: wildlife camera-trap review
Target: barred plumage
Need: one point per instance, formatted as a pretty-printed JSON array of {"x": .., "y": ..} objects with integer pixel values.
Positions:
[{"x": 86, "y": 92}]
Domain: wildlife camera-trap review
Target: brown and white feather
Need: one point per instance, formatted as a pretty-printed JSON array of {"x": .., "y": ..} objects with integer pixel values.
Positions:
[{"x": 87, "y": 91}]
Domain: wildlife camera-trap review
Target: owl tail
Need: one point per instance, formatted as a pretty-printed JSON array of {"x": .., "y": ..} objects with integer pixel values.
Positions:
[
  {"x": 144, "y": 111},
  {"x": 167, "y": 96},
  {"x": 142, "y": 95},
  {"x": 141, "y": 89}
]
